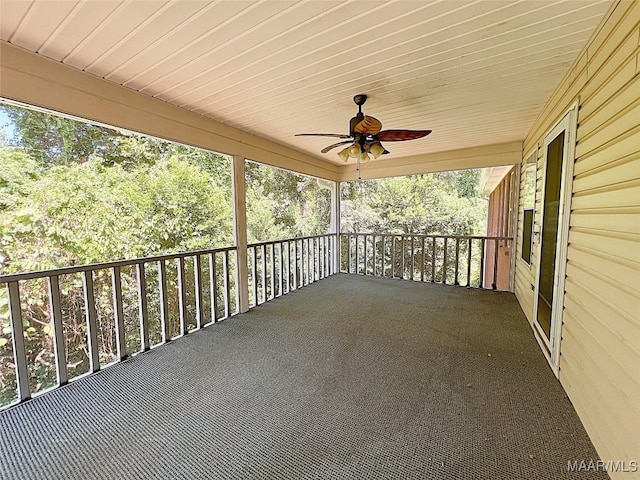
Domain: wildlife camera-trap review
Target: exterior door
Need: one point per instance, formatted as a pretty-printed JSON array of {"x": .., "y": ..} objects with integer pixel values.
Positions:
[{"x": 553, "y": 235}]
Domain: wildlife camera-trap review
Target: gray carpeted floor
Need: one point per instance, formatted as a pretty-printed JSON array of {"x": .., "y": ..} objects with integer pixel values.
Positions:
[{"x": 350, "y": 378}]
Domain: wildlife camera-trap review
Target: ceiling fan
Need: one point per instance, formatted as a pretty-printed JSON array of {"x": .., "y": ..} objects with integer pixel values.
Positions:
[{"x": 365, "y": 135}]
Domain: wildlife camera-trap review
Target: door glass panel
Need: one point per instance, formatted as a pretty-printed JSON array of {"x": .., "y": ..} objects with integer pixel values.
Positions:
[{"x": 553, "y": 177}]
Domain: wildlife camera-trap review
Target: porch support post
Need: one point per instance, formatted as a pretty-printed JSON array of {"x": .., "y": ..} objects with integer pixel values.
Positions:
[
  {"x": 240, "y": 232},
  {"x": 335, "y": 225}
]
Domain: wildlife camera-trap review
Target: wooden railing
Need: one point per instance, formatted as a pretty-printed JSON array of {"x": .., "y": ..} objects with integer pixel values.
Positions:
[
  {"x": 69, "y": 322},
  {"x": 447, "y": 259},
  {"x": 73, "y": 321},
  {"x": 76, "y": 320},
  {"x": 281, "y": 266}
]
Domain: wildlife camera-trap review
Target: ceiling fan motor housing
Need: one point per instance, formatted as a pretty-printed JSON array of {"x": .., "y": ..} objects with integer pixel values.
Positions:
[{"x": 353, "y": 122}]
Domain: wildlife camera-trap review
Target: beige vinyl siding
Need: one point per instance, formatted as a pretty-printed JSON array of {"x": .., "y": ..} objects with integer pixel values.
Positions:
[{"x": 600, "y": 345}]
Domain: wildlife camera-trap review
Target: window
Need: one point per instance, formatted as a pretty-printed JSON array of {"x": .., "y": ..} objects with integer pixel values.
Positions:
[{"x": 529, "y": 174}]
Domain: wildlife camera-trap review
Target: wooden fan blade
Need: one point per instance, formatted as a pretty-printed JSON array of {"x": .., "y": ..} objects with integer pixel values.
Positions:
[
  {"x": 336, "y": 135},
  {"x": 368, "y": 126},
  {"x": 331, "y": 147},
  {"x": 399, "y": 135}
]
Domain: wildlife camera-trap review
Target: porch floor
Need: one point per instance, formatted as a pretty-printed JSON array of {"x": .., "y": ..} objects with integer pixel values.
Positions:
[{"x": 351, "y": 378}]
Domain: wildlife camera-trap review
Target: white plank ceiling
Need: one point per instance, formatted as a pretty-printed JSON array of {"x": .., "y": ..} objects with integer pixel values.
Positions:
[{"x": 476, "y": 72}]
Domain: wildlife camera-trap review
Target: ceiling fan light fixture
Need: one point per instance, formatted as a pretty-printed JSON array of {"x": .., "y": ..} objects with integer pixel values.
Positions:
[
  {"x": 364, "y": 157},
  {"x": 376, "y": 149},
  {"x": 355, "y": 150},
  {"x": 344, "y": 154}
]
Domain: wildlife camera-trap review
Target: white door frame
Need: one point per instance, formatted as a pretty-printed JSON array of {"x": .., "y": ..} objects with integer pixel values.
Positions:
[{"x": 551, "y": 347}]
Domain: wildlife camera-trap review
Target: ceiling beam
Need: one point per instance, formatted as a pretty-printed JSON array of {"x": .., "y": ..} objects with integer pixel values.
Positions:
[
  {"x": 509, "y": 153},
  {"x": 35, "y": 80}
]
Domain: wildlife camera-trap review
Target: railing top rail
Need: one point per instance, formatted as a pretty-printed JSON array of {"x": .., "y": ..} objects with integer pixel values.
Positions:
[
  {"x": 14, "y": 277},
  {"x": 269, "y": 242},
  {"x": 422, "y": 235}
]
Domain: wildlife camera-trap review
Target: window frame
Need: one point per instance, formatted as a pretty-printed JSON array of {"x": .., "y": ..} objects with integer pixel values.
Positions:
[{"x": 529, "y": 164}]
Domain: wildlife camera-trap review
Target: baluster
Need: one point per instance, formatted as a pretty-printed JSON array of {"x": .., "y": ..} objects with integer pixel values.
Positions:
[
  {"x": 314, "y": 258},
  {"x": 254, "y": 282},
  {"x": 496, "y": 248},
  {"x": 263, "y": 277},
  {"x": 444, "y": 262},
  {"x": 281, "y": 270},
  {"x": 17, "y": 334},
  {"x": 413, "y": 258},
  {"x": 213, "y": 286},
  {"x": 92, "y": 321},
  {"x": 433, "y": 259},
  {"x": 469, "y": 263},
  {"x": 295, "y": 264},
  {"x": 118, "y": 313},
  {"x": 58, "y": 331},
  {"x": 197, "y": 275},
  {"x": 364, "y": 252},
  {"x": 456, "y": 282},
  {"x": 384, "y": 255},
  {"x": 227, "y": 286},
  {"x": 273, "y": 270},
  {"x": 403, "y": 240},
  {"x": 164, "y": 306},
  {"x": 288, "y": 284},
  {"x": 482, "y": 252},
  {"x": 424, "y": 259},
  {"x": 302, "y": 268},
  {"x": 393, "y": 256},
  {"x": 143, "y": 315},
  {"x": 182, "y": 297}
]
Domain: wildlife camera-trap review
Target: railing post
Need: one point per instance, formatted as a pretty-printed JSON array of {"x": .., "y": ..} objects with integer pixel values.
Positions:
[
  {"x": 240, "y": 232},
  {"x": 17, "y": 334}
]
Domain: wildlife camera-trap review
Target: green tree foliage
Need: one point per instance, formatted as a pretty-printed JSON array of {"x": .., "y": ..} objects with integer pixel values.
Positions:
[
  {"x": 72, "y": 193},
  {"x": 434, "y": 204},
  {"x": 282, "y": 204}
]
